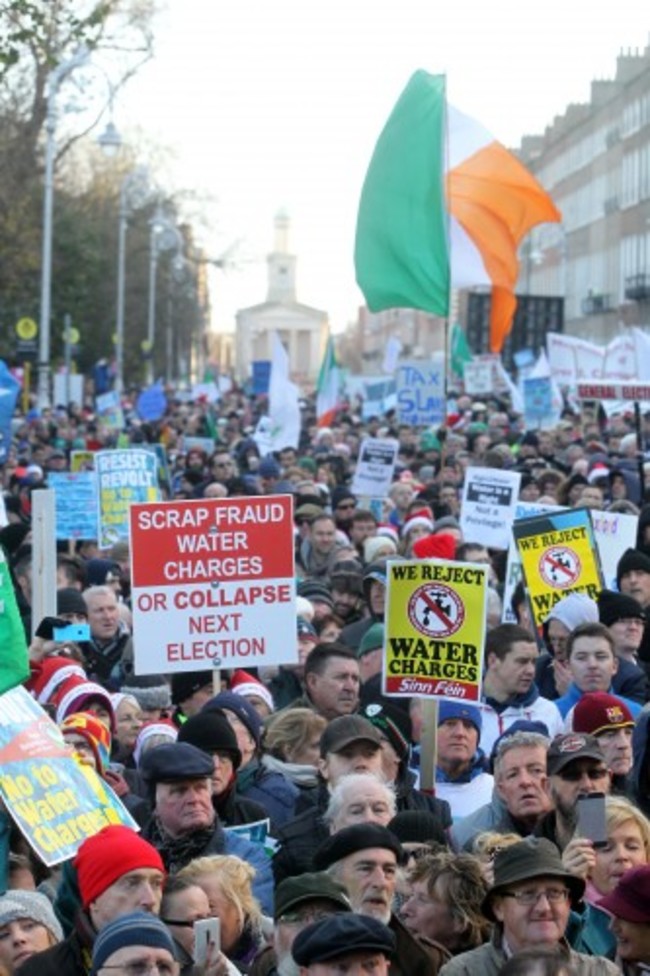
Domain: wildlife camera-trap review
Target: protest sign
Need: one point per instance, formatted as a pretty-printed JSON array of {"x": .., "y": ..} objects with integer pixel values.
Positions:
[
  {"x": 75, "y": 503},
  {"x": 213, "y": 584},
  {"x": 373, "y": 475},
  {"x": 109, "y": 411},
  {"x": 488, "y": 506},
  {"x": 558, "y": 556},
  {"x": 261, "y": 370},
  {"x": 421, "y": 391},
  {"x": 538, "y": 402},
  {"x": 477, "y": 378},
  {"x": 56, "y": 802},
  {"x": 614, "y": 533},
  {"x": 82, "y": 461},
  {"x": 514, "y": 571},
  {"x": 435, "y": 629},
  {"x": 123, "y": 477},
  {"x": 205, "y": 444}
]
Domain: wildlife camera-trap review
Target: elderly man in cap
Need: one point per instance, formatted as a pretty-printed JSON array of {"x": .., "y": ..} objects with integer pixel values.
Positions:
[
  {"x": 299, "y": 902},
  {"x": 576, "y": 767},
  {"x": 117, "y": 872},
  {"x": 350, "y": 944},
  {"x": 608, "y": 719},
  {"x": 529, "y": 901},
  {"x": 185, "y": 824},
  {"x": 365, "y": 860},
  {"x": 349, "y": 744},
  {"x": 135, "y": 944}
]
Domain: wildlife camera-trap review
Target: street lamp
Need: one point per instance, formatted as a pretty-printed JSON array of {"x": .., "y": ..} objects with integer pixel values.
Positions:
[
  {"x": 164, "y": 237},
  {"x": 54, "y": 81},
  {"x": 133, "y": 192}
]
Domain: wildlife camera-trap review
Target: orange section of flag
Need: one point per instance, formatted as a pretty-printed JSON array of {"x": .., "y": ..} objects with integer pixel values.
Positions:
[{"x": 497, "y": 202}]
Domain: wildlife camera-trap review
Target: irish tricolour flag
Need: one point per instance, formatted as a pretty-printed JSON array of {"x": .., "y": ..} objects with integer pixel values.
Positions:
[
  {"x": 443, "y": 205},
  {"x": 328, "y": 390}
]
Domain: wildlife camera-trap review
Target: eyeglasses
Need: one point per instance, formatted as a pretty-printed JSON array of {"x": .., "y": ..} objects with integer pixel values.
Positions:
[
  {"x": 346, "y": 505},
  {"x": 530, "y": 896},
  {"x": 177, "y": 921},
  {"x": 301, "y": 918},
  {"x": 573, "y": 774},
  {"x": 142, "y": 967}
]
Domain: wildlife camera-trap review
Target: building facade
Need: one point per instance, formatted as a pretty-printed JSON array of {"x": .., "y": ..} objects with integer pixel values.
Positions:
[
  {"x": 303, "y": 330},
  {"x": 595, "y": 162}
]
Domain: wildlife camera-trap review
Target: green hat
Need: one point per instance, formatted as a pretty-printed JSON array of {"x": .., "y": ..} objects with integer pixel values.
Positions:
[
  {"x": 307, "y": 464},
  {"x": 429, "y": 441},
  {"x": 308, "y": 887},
  {"x": 371, "y": 640},
  {"x": 534, "y": 857}
]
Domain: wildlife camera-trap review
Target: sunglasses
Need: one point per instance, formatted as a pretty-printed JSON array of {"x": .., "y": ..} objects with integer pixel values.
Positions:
[{"x": 573, "y": 775}]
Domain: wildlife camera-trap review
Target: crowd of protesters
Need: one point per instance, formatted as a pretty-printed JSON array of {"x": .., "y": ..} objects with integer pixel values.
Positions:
[{"x": 363, "y": 871}]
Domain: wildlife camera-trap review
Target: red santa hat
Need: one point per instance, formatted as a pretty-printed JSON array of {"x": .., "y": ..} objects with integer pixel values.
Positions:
[
  {"x": 420, "y": 517},
  {"x": 49, "y": 674},
  {"x": 245, "y": 684},
  {"x": 77, "y": 695}
]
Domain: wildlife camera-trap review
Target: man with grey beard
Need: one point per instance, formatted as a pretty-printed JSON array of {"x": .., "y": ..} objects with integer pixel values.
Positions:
[
  {"x": 365, "y": 859},
  {"x": 299, "y": 901}
]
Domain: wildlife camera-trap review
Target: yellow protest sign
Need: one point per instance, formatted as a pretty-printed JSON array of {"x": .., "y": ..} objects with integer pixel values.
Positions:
[
  {"x": 558, "y": 556},
  {"x": 435, "y": 629}
]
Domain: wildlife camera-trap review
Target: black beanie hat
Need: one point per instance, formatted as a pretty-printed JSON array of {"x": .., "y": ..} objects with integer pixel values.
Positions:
[
  {"x": 186, "y": 683},
  {"x": 614, "y": 606},
  {"x": 69, "y": 600},
  {"x": 630, "y": 560},
  {"x": 211, "y": 732},
  {"x": 418, "y": 827}
]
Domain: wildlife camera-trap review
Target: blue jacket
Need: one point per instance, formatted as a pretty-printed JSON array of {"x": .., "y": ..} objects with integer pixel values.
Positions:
[
  {"x": 573, "y": 696},
  {"x": 271, "y": 790}
]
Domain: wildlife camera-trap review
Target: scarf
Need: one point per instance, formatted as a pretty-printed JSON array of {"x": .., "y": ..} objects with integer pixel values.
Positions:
[
  {"x": 300, "y": 774},
  {"x": 176, "y": 852}
]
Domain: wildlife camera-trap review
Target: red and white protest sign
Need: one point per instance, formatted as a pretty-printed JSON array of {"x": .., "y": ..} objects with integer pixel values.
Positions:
[{"x": 213, "y": 584}]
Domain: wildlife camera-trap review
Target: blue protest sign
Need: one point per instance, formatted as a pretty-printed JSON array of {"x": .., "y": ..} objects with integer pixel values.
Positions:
[
  {"x": 421, "y": 392},
  {"x": 261, "y": 376},
  {"x": 56, "y": 802},
  {"x": 9, "y": 390},
  {"x": 75, "y": 503},
  {"x": 538, "y": 400},
  {"x": 152, "y": 403},
  {"x": 123, "y": 477}
]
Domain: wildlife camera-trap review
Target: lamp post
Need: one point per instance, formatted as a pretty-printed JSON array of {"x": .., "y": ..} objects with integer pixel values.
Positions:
[
  {"x": 163, "y": 237},
  {"x": 54, "y": 81},
  {"x": 133, "y": 190}
]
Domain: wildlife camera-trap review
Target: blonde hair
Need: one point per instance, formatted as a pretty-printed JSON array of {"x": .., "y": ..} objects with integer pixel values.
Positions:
[
  {"x": 489, "y": 842},
  {"x": 290, "y": 730},
  {"x": 619, "y": 810},
  {"x": 234, "y": 877}
]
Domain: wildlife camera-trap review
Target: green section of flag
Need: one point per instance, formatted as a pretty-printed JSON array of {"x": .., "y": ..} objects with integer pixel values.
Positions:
[
  {"x": 460, "y": 351},
  {"x": 401, "y": 251},
  {"x": 14, "y": 660}
]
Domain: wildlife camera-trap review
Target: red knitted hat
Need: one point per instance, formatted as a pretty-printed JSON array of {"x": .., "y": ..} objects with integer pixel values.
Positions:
[
  {"x": 442, "y": 545},
  {"x": 95, "y": 734},
  {"x": 113, "y": 852}
]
